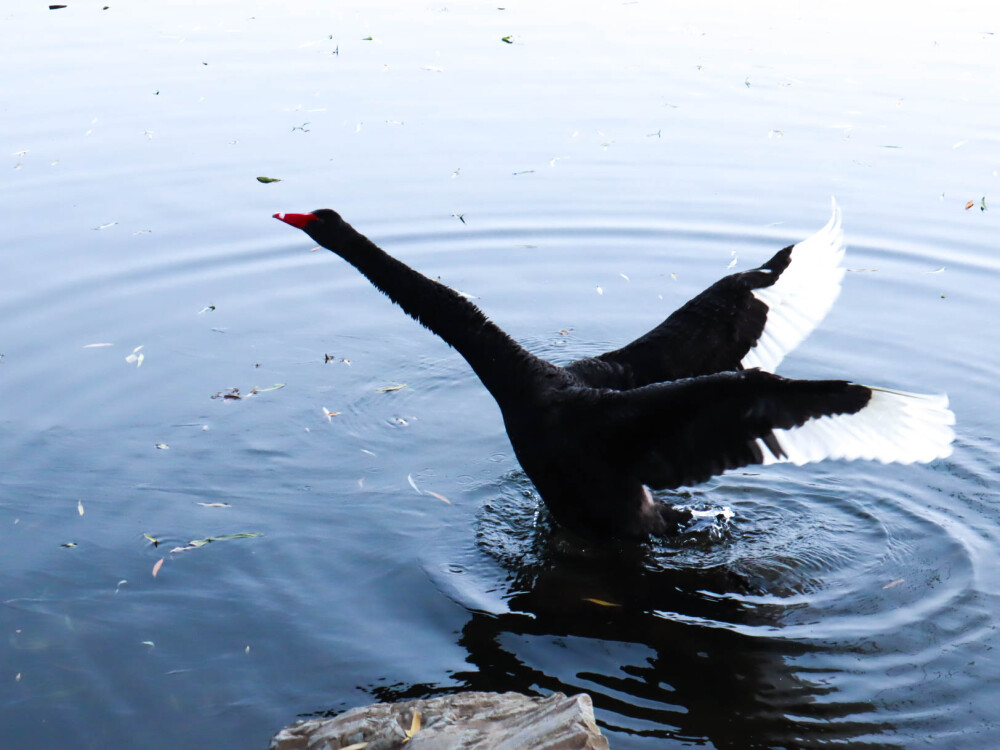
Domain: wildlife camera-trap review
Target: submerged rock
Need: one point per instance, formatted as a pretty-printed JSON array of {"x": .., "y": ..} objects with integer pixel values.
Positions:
[{"x": 464, "y": 721}]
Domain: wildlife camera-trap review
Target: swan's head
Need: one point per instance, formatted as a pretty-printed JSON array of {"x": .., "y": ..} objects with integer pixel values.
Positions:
[{"x": 322, "y": 224}]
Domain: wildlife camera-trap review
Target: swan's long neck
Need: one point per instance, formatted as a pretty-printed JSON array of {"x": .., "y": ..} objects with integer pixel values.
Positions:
[{"x": 506, "y": 368}]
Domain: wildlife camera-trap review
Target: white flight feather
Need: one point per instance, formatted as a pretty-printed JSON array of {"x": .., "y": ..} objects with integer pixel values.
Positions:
[
  {"x": 801, "y": 297},
  {"x": 892, "y": 426}
]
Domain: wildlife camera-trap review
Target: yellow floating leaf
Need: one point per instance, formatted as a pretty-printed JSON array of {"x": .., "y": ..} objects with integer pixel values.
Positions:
[
  {"x": 601, "y": 602},
  {"x": 414, "y": 727},
  {"x": 442, "y": 498},
  {"x": 157, "y": 566},
  {"x": 154, "y": 540},
  {"x": 893, "y": 583},
  {"x": 391, "y": 388},
  {"x": 969, "y": 205}
]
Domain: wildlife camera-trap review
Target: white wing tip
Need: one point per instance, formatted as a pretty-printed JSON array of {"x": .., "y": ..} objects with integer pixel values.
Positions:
[
  {"x": 894, "y": 426},
  {"x": 802, "y": 295}
]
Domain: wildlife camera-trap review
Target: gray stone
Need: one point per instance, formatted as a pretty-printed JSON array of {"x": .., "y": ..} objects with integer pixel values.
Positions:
[{"x": 464, "y": 721}]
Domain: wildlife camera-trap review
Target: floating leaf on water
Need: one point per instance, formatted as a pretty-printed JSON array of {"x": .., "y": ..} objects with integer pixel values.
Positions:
[
  {"x": 460, "y": 217},
  {"x": 121, "y": 583},
  {"x": 442, "y": 498},
  {"x": 267, "y": 180},
  {"x": 275, "y": 387},
  {"x": 157, "y": 566},
  {"x": 96, "y": 346},
  {"x": 233, "y": 395},
  {"x": 391, "y": 388},
  {"x": 330, "y": 414},
  {"x": 162, "y": 447},
  {"x": 734, "y": 261},
  {"x": 79, "y": 507},
  {"x": 599, "y": 290},
  {"x": 56, "y": 7},
  {"x": 68, "y": 544},
  {"x": 247, "y": 651},
  {"x": 409, "y": 478},
  {"x": 601, "y": 602},
  {"x": 215, "y": 505},
  {"x": 625, "y": 277},
  {"x": 969, "y": 205},
  {"x": 148, "y": 643},
  {"x": 136, "y": 356},
  {"x": 982, "y": 206},
  {"x": 105, "y": 226},
  {"x": 153, "y": 539},
  {"x": 195, "y": 543},
  {"x": 365, "y": 450},
  {"x": 507, "y": 39},
  {"x": 893, "y": 583},
  {"x": 367, "y": 39},
  {"x": 414, "y": 726},
  {"x": 206, "y": 309}
]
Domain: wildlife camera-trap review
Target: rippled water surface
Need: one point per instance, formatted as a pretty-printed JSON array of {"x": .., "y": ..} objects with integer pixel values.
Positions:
[{"x": 581, "y": 181}]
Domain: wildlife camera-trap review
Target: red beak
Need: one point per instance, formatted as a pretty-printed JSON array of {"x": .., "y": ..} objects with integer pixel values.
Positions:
[{"x": 299, "y": 221}]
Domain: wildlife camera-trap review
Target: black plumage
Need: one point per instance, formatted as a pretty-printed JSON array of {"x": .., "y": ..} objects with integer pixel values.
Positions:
[{"x": 672, "y": 408}]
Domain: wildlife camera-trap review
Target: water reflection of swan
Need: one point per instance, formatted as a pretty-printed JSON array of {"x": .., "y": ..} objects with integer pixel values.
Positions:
[{"x": 660, "y": 654}]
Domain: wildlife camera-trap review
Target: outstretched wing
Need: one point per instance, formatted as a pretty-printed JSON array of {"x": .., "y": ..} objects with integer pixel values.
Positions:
[
  {"x": 748, "y": 319},
  {"x": 673, "y": 434}
]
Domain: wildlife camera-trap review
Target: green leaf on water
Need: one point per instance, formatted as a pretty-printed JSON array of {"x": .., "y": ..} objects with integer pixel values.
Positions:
[
  {"x": 507, "y": 39},
  {"x": 266, "y": 180}
]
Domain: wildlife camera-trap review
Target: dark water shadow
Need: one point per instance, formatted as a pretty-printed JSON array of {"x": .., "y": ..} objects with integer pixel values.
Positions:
[{"x": 668, "y": 653}]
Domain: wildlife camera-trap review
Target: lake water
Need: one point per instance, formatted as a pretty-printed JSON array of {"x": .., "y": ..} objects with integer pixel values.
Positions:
[{"x": 581, "y": 181}]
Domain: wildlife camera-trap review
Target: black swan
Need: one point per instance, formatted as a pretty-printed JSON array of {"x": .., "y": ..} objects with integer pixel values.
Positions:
[{"x": 690, "y": 399}]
